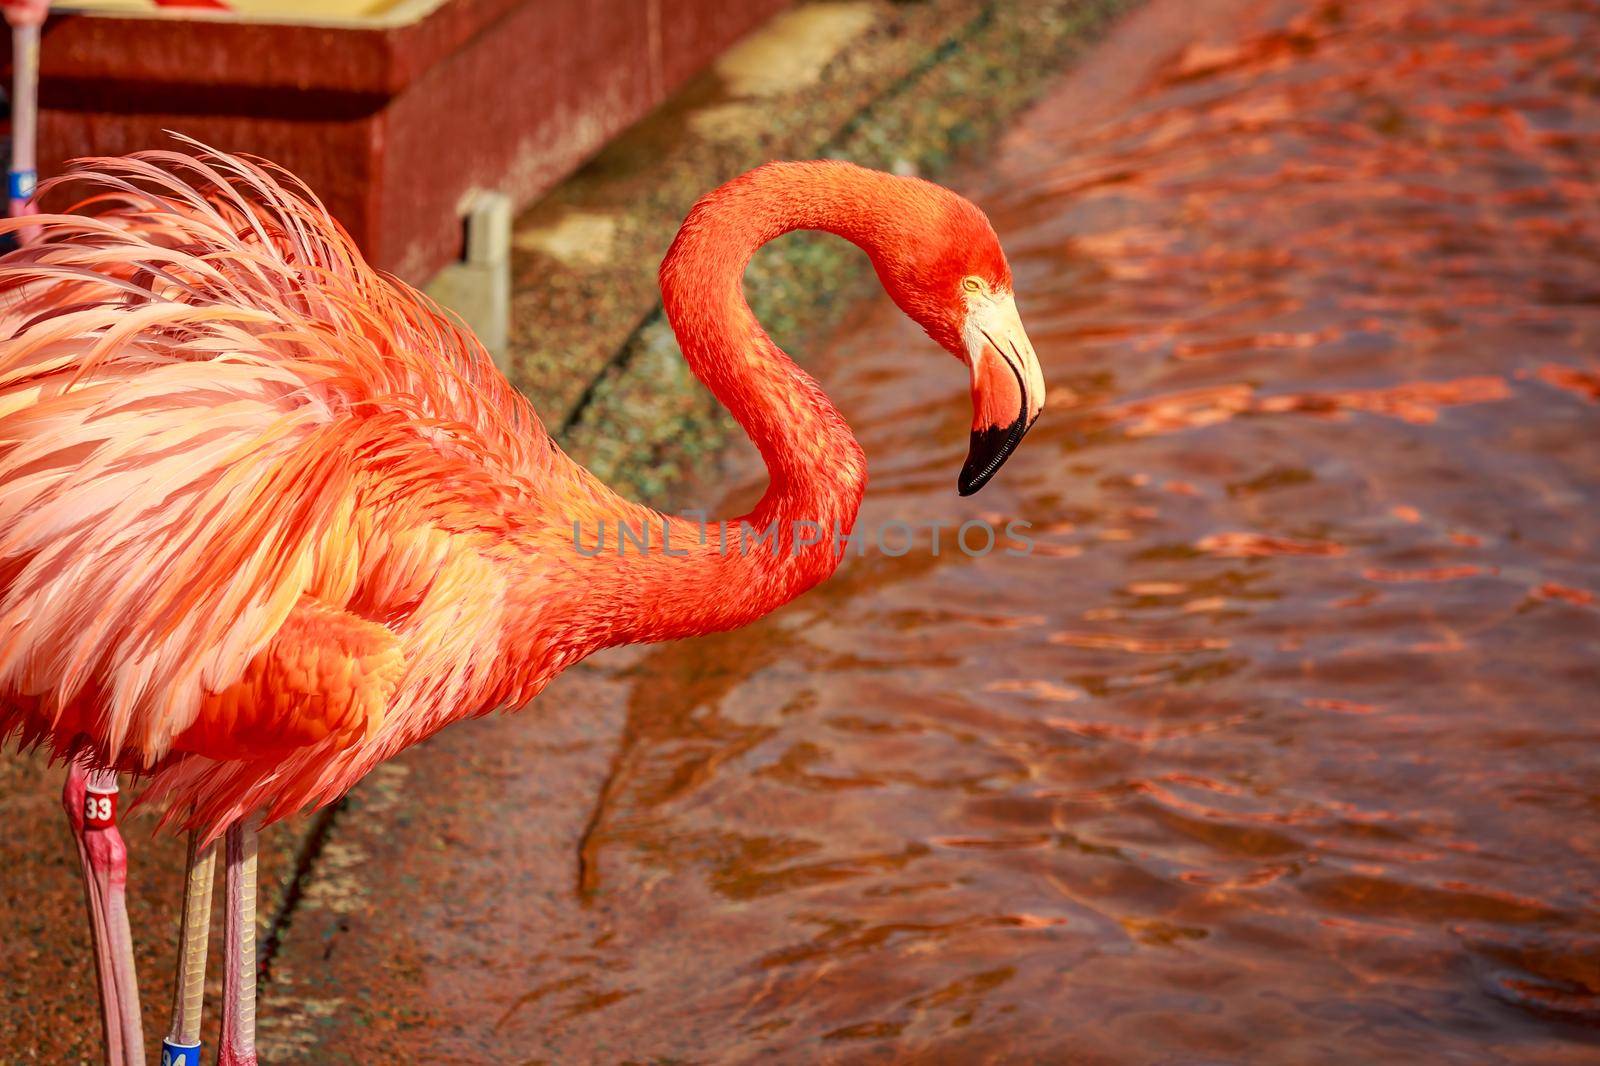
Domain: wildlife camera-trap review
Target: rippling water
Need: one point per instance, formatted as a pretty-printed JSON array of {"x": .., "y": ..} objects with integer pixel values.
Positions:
[{"x": 1282, "y": 744}]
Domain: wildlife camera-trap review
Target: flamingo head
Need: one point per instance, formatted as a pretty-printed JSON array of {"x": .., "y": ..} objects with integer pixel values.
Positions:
[{"x": 949, "y": 274}]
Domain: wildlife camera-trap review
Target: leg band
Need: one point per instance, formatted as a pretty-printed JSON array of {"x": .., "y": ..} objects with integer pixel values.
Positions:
[{"x": 179, "y": 1054}]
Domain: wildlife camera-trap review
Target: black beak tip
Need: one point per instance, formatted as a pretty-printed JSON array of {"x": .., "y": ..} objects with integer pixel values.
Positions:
[{"x": 987, "y": 453}]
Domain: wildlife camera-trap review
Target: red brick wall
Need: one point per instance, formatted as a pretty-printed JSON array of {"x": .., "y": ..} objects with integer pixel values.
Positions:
[{"x": 392, "y": 127}]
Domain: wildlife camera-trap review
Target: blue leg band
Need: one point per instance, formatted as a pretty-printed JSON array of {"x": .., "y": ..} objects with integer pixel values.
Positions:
[{"x": 179, "y": 1054}]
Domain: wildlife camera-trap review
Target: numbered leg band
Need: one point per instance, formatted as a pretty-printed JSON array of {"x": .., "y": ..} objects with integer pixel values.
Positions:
[
  {"x": 99, "y": 809},
  {"x": 22, "y": 183},
  {"x": 179, "y": 1054}
]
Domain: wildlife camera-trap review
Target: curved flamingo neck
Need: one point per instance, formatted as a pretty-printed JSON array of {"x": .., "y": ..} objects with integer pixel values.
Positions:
[
  {"x": 780, "y": 407},
  {"x": 816, "y": 469}
]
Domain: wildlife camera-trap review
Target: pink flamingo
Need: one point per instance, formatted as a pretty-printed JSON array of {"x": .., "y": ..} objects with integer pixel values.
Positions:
[
  {"x": 90, "y": 796},
  {"x": 267, "y": 517}
]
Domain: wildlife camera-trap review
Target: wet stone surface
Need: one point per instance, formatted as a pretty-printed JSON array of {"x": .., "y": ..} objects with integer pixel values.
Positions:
[{"x": 1279, "y": 746}]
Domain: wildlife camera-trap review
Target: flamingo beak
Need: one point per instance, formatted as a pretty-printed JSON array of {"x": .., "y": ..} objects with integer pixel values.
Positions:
[{"x": 1007, "y": 387}]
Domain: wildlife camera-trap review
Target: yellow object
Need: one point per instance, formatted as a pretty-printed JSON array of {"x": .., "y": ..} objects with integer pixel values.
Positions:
[{"x": 354, "y": 12}]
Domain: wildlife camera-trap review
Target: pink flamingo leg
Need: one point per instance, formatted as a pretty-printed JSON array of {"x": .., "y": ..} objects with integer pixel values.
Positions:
[
  {"x": 24, "y": 122},
  {"x": 90, "y": 797},
  {"x": 182, "y": 1044},
  {"x": 238, "y": 1047}
]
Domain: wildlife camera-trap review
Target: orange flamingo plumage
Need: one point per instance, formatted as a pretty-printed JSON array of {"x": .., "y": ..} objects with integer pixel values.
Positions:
[{"x": 267, "y": 517}]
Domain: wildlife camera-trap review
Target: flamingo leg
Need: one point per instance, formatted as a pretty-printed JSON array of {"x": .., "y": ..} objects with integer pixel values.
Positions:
[
  {"x": 182, "y": 1044},
  {"x": 90, "y": 797},
  {"x": 238, "y": 1046},
  {"x": 24, "y": 123}
]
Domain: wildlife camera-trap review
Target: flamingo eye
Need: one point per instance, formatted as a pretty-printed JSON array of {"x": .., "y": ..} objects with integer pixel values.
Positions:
[{"x": 972, "y": 284}]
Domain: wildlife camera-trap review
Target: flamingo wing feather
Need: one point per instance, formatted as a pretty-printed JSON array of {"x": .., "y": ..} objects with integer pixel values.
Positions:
[
  {"x": 327, "y": 675},
  {"x": 213, "y": 417}
]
